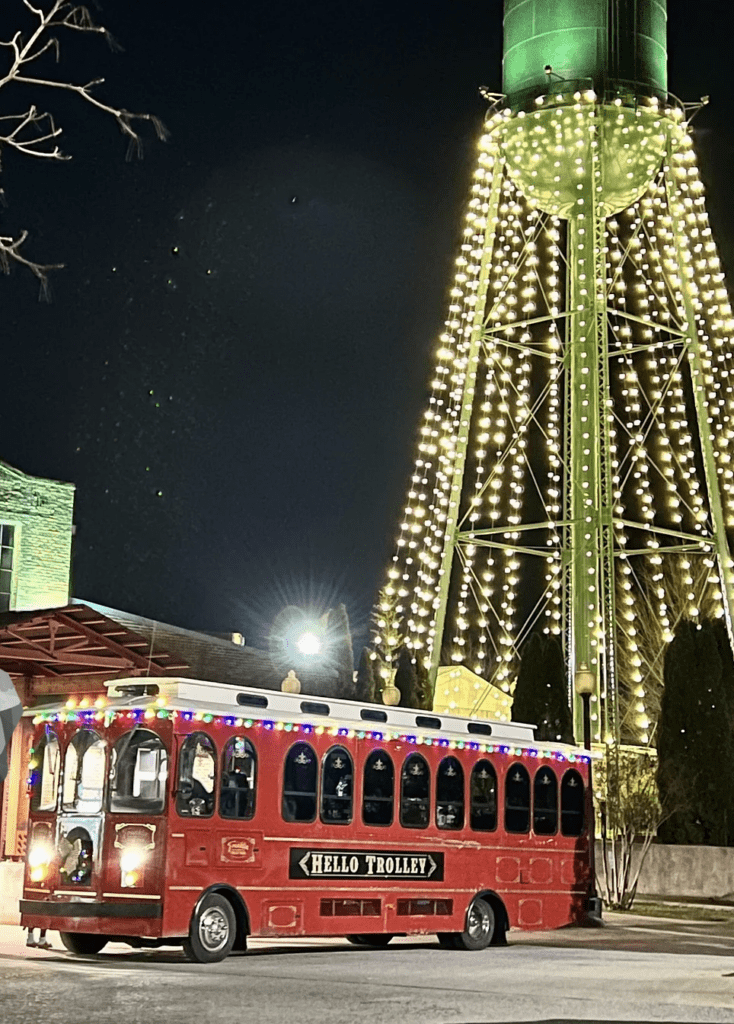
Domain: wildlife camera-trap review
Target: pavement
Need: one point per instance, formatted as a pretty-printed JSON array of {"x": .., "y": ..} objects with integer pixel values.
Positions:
[{"x": 637, "y": 968}]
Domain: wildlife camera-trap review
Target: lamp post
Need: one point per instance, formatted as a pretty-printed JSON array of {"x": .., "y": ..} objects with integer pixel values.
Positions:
[{"x": 584, "y": 685}]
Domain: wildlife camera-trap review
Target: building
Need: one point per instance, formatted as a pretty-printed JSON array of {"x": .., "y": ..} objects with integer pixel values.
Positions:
[
  {"x": 35, "y": 540},
  {"x": 459, "y": 691}
]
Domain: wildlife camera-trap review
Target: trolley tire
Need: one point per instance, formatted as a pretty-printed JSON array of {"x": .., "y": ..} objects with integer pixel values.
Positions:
[
  {"x": 369, "y": 940},
  {"x": 81, "y": 943},
  {"x": 480, "y": 926},
  {"x": 212, "y": 931}
]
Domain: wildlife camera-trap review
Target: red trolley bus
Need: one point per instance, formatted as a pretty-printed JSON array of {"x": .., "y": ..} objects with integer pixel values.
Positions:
[{"x": 194, "y": 813}]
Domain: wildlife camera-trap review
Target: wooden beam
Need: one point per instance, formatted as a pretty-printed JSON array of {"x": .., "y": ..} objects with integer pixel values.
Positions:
[{"x": 150, "y": 664}]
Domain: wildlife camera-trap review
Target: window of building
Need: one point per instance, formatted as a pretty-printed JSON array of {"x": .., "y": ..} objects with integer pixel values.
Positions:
[
  {"x": 337, "y": 776},
  {"x": 45, "y": 769},
  {"x": 378, "y": 790},
  {"x": 239, "y": 777},
  {"x": 7, "y": 546},
  {"x": 138, "y": 773},
  {"x": 572, "y": 804},
  {"x": 450, "y": 794},
  {"x": 196, "y": 776},
  {"x": 300, "y": 780},
  {"x": 415, "y": 792},
  {"x": 84, "y": 770},
  {"x": 483, "y": 785},
  {"x": 545, "y": 802},
  {"x": 517, "y": 799}
]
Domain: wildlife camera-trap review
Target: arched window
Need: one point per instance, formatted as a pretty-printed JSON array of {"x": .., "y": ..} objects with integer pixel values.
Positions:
[
  {"x": 415, "y": 792},
  {"x": 45, "y": 772},
  {"x": 196, "y": 772},
  {"x": 239, "y": 779},
  {"x": 337, "y": 787},
  {"x": 378, "y": 790},
  {"x": 300, "y": 779},
  {"x": 483, "y": 797},
  {"x": 545, "y": 802},
  {"x": 138, "y": 773},
  {"x": 450, "y": 794},
  {"x": 84, "y": 770},
  {"x": 517, "y": 799},
  {"x": 572, "y": 804}
]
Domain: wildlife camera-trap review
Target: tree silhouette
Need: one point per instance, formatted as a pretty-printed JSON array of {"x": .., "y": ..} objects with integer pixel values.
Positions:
[
  {"x": 541, "y": 694},
  {"x": 406, "y": 680},
  {"x": 695, "y": 755},
  {"x": 366, "y": 685},
  {"x": 339, "y": 651}
]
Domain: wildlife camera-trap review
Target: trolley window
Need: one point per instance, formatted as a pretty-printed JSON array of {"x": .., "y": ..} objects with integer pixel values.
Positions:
[
  {"x": 196, "y": 776},
  {"x": 450, "y": 794},
  {"x": 572, "y": 804},
  {"x": 483, "y": 815},
  {"x": 545, "y": 802},
  {"x": 517, "y": 799},
  {"x": 300, "y": 778},
  {"x": 45, "y": 772},
  {"x": 378, "y": 790},
  {"x": 239, "y": 778},
  {"x": 138, "y": 773},
  {"x": 84, "y": 767},
  {"x": 415, "y": 792},
  {"x": 337, "y": 777}
]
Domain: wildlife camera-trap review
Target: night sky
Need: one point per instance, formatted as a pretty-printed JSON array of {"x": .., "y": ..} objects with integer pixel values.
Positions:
[{"x": 234, "y": 361}]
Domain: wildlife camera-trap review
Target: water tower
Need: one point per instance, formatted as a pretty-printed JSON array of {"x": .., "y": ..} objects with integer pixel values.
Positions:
[{"x": 575, "y": 461}]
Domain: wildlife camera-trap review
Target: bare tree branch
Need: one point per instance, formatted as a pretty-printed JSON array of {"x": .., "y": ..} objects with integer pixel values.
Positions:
[{"x": 34, "y": 133}]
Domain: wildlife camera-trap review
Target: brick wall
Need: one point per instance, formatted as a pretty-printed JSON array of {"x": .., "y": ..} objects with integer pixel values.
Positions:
[{"x": 41, "y": 512}]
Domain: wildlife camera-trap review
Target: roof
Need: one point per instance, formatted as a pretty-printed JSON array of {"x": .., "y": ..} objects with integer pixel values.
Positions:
[
  {"x": 89, "y": 639},
  {"x": 7, "y": 468},
  {"x": 77, "y": 639}
]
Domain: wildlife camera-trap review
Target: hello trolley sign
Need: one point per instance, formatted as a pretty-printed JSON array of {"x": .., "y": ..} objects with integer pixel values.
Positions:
[{"x": 307, "y": 863}]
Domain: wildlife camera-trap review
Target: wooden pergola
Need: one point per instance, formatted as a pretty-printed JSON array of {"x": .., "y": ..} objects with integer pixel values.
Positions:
[
  {"x": 59, "y": 651},
  {"x": 75, "y": 648}
]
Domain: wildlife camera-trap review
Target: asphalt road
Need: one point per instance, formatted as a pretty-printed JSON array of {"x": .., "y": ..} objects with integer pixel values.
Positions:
[{"x": 636, "y": 968}]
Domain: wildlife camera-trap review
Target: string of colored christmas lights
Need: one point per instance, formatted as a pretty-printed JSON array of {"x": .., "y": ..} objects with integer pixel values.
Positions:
[{"x": 105, "y": 716}]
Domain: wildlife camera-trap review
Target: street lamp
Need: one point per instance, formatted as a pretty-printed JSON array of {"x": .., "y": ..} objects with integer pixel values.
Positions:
[
  {"x": 308, "y": 644},
  {"x": 584, "y": 682}
]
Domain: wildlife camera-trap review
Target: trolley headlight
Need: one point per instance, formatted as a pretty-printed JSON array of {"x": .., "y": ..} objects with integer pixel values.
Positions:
[
  {"x": 132, "y": 859},
  {"x": 40, "y": 856}
]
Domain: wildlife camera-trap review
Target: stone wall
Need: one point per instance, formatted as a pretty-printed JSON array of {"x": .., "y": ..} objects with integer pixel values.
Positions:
[
  {"x": 41, "y": 512},
  {"x": 689, "y": 872}
]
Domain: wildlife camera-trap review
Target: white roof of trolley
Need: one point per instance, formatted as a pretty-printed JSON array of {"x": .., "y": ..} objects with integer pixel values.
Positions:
[{"x": 246, "y": 702}]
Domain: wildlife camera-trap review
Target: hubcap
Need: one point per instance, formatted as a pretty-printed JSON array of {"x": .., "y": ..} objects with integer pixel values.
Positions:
[
  {"x": 478, "y": 923},
  {"x": 213, "y": 929}
]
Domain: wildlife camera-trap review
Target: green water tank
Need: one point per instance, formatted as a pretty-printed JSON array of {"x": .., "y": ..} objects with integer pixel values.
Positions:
[{"x": 610, "y": 42}]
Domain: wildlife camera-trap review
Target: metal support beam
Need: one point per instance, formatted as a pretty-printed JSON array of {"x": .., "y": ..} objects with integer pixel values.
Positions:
[
  {"x": 590, "y": 556},
  {"x": 467, "y": 403},
  {"x": 698, "y": 382}
]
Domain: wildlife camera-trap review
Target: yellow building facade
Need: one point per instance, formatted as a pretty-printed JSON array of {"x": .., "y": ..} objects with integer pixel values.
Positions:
[{"x": 459, "y": 691}]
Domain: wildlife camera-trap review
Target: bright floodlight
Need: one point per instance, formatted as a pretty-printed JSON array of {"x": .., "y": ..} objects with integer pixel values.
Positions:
[{"x": 309, "y": 644}]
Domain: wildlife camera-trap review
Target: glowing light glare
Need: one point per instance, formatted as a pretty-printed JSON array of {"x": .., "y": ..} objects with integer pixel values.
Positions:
[
  {"x": 132, "y": 858},
  {"x": 309, "y": 644},
  {"x": 40, "y": 855}
]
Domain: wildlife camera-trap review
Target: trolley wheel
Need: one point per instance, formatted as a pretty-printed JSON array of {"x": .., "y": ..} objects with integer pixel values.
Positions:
[
  {"x": 77, "y": 942},
  {"x": 479, "y": 929},
  {"x": 212, "y": 932},
  {"x": 369, "y": 940}
]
